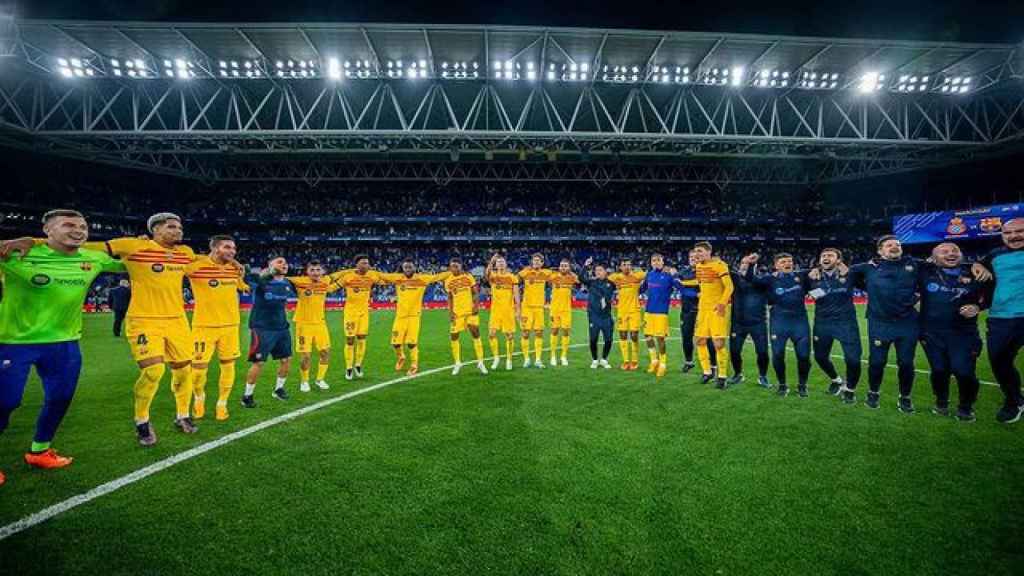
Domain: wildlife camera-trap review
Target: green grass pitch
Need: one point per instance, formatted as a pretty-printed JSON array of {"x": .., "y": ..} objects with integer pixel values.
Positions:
[{"x": 560, "y": 471}]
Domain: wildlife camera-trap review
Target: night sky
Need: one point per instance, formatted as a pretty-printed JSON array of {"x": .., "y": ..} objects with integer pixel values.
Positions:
[{"x": 961, "y": 21}]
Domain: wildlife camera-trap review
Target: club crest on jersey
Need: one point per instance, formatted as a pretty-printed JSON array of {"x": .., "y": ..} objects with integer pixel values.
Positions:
[
  {"x": 308, "y": 292},
  {"x": 214, "y": 283},
  {"x": 158, "y": 267},
  {"x": 878, "y": 342},
  {"x": 780, "y": 291},
  {"x": 932, "y": 287},
  {"x": 40, "y": 280},
  {"x": 85, "y": 266},
  {"x": 909, "y": 268},
  {"x": 775, "y": 336}
]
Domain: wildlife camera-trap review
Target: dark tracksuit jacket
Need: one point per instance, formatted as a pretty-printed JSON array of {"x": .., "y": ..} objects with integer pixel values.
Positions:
[
  {"x": 788, "y": 322},
  {"x": 835, "y": 318},
  {"x": 951, "y": 341}
]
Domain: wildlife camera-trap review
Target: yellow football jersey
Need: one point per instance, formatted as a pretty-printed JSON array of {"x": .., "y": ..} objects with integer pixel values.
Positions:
[
  {"x": 502, "y": 288},
  {"x": 312, "y": 297},
  {"x": 410, "y": 291},
  {"x": 358, "y": 287},
  {"x": 460, "y": 292},
  {"x": 157, "y": 274},
  {"x": 715, "y": 283},
  {"x": 215, "y": 287},
  {"x": 628, "y": 289},
  {"x": 534, "y": 281},
  {"x": 561, "y": 290}
]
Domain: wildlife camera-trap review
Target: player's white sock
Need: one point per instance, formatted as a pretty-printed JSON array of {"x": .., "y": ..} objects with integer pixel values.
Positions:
[
  {"x": 280, "y": 383},
  {"x": 249, "y": 389}
]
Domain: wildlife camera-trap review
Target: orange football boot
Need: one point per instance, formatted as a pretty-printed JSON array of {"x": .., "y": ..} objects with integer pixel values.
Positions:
[
  {"x": 47, "y": 459},
  {"x": 413, "y": 370}
]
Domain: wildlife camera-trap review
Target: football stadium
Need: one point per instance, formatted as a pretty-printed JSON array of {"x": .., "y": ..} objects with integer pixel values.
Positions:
[{"x": 343, "y": 296}]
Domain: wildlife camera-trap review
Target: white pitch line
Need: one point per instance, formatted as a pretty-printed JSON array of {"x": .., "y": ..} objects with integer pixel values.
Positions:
[{"x": 143, "y": 473}]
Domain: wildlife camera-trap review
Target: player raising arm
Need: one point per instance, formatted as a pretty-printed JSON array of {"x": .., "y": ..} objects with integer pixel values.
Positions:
[
  {"x": 505, "y": 308},
  {"x": 358, "y": 285},
  {"x": 627, "y": 312},
  {"x": 405, "y": 331},
  {"x": 535, "y": 279},
  {"x": 562, "y": 283},
  {"x": 464, "y": 313},
  {"x": 712, "y": 310},
  {"x": 41, "y": 324},
  {"x": 311, "y": 324},
  {"x": 216, "y": 280},
  {"x": 268, "y": 329}
]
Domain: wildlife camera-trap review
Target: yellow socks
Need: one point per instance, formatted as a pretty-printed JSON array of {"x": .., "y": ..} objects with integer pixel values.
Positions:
[
  {"x": 145, "y": 390},
  {"x": 652, "y": 353},
  {"x": 321, "y": 370},
  {"x": 414, "y": 356},
  {"x": 360, "y": 350},
  {"x": 350, "y": 355},
  {"x": 624, "y": 348},
  {"x": 478, "y": 349},
  {"x": 722, "y": 354},
  {"x": 705, "y": 358},
  {"x": 225, "y": 382},
  {"x": 456, "y": 351},
  {"x": 525, "y": 343},
  {"x": 303, "y": 374},
  {"x": 199, "y": 382},
  {"x": 510, "y": 344},
  {"x": 565, "y": 346},
  {"x": 538, "y": 348},
  {"x": 663, "y": 359},
  {"x": 554, "y": 344},
  {"x": 495, "y": 351},
  {"x": 181, "y": 386},
  {"x": 636, "y": 350}
]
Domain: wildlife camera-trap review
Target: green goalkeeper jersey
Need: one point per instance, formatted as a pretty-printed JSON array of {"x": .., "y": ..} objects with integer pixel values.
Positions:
[{"x": 43, "y": 293}]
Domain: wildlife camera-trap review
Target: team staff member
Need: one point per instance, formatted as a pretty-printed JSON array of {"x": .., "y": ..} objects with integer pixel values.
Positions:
[
  {"x": 41, "y": 323},
  {"x": 1006, "y": 317},
  {"x": 786, "y": 290},
  {"x": 268, "y": 328},
  {"x": 119, "y": 298},
  {"x": 950, "y": 302},
  {"x": 749, "y": 319},
  {"x": 835, "y": 319},
  {"x": 600, "y": 292}
]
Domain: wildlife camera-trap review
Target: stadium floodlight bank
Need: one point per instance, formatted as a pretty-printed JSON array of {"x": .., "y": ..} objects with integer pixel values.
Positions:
[{"x": 130, "y": 92}]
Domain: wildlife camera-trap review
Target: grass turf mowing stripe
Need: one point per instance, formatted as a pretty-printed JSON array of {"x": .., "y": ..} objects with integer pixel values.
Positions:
[{"x": 142, "y": 473}]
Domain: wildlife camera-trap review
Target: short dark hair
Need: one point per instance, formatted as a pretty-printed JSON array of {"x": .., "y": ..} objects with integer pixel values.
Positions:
[
  {"x": 273, "y": 257},
  {"x": 360, "y": 257},
  {"x": 455, "y": 260},
  {"x": 408, "y": 261},
  {"x": 836, "y": 251},
  {"x": 658, "y": 254},
  {"x": 312, "y": 263},
  {"x": 566, "y": 260},
  {"x": 703, "y": 244},
  {"x": 782, "y": 255},
  {"x": 536, "y": 255},
  {"x": 65, "y": 212},
  {"x": 218, "y": 238},
  {"x": 885, "y": 239}
]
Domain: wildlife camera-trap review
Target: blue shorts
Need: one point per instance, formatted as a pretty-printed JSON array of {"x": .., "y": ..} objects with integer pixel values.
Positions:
[
  {"x": 58, "y": 364},
  {"x": 267, "y": 344}
]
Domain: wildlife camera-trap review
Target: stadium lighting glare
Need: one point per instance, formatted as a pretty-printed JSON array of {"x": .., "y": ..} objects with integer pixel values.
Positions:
[
  {"x": 333, "y": 69},
  {"x": 531, "y": 75},
  {"x": 139, "y": 63},
  {"x": 65, "y": 72},
  {"x": 737, "y": 76},
  {"x": 115, "y": 63},
  {"x": 870, "y": 82},
  {"x": 117, "y": 71},
  {"x": 551, "y": 74},
  {"x": 62, "y": 62}
]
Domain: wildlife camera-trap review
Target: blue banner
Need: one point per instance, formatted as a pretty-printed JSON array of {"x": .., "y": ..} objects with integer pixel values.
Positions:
[{"x": 955, "y": 225}]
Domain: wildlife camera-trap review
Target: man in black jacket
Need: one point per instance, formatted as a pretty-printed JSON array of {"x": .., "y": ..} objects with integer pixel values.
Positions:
[
  {"x": 599, "y": 310},
  {"x": 118, "y": 299}
]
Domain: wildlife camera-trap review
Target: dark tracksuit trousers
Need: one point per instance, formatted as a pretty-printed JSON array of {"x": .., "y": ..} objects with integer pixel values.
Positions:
[
  {"x": 826, "y": 332},
  {"x": 790, "y": 328},
  {"x": 953, "y": 352},
  {"x": 758, "y": 333},
  {"x": 901, "y": 335}
]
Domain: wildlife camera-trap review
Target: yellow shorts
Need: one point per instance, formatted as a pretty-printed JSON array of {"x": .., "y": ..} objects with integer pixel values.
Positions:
[
  {"x": 357, "y": 322},
  {"x": 628, "y": 321},
  {"x": 220, "y": 339},
  {"x": 561, "y": 319},
  {"x": 308, "y": 336},
  {"x": 502, "y": 320},
  {"x": 533, "y": 319},
  {"x": 153, "y": 337},
  {"x": 461, "y": 322},
  {"x": 405, "y": 331},
  {"x": 655, "y": 324},
  {"x": 711, "y": 325}
]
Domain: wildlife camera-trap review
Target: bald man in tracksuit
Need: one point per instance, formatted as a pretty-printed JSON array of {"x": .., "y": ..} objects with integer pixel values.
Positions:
[
  {"x": 950, "y": 301},
  {"x": 1005, "y": 336}
]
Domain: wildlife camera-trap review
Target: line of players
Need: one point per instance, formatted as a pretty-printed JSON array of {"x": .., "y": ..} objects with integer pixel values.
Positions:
[{"x": 158, "y": 331}]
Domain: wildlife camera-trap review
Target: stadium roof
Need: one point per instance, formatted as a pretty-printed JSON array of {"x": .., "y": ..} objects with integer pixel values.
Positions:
[{"x": 123, "y": 91}]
